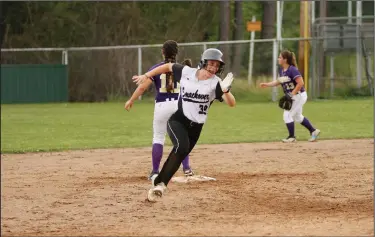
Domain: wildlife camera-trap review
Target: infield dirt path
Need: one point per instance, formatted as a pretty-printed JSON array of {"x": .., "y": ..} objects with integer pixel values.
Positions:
[{"x": 322, "y": 188}]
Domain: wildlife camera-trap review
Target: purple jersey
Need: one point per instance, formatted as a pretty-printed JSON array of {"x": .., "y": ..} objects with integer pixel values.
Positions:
[
  {"x": 160, "y": 82},
  {"x": 288, "y": 78}
]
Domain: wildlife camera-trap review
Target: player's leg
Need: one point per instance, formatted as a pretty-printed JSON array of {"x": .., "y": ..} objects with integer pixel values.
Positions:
[
  {"x": 159, "y": 131},
  {"x": 291, "y": 115},
  {"x": 169, "y": 108},
  {"x": 289, "y": 122},
  {"x": 180, "y": 138},
  {"x": 299, "y": 118},
  {"x": 184, "y": 140},
  {"x": 186, "y": 166},
  {"x": 194, "y": 133}
]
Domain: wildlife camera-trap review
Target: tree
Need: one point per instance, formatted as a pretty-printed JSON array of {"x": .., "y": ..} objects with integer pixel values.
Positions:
[
  {"x": 225, "y": 30},
  {"x": 238, "y": 35},
  {"x": 269, "y": 20},
  {"x": 268, "y": 32}
]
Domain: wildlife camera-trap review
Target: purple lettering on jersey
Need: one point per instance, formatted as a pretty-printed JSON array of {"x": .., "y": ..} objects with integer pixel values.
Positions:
[
  {"x": 292, "y": 74},
  {"x": 161, "y": 93}
]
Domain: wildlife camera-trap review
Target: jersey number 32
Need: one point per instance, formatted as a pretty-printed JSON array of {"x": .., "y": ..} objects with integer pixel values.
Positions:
[{"x": 163, "y": 86}]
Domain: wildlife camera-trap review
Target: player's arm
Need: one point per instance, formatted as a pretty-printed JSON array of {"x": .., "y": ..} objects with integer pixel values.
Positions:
[
  {"x": 299, "y": 85},
  {"x": 156, "y": 71},
  {"x": 229, "y": 99},
  {"x": 296, "y": 75},
  {"x": 137, "y": 93},
  {"x": 269, "y": 84},
  {"x": 141, "y": 89}
]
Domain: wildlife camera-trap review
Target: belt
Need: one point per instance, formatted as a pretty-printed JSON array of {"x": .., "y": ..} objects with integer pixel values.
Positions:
[
  {"x": 180, "y": 116},
  {"x": 300, "y": 92},
  {"x": 192, "y": 124},
  {"x": 157, "y": 100}
]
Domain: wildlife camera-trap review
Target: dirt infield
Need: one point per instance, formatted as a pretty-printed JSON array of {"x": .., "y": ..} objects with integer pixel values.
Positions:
[{"x": 323, "y": 188}]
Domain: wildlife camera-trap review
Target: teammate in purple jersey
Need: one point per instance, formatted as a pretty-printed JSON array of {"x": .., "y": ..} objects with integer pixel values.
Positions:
[
  {"x": 165, "y": 105},
  {"x": 292, "y": 83}
]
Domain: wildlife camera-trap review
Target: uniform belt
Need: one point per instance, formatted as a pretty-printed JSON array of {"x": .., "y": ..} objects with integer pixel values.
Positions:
[
  {"x": 180, "y": 116},
  {"x": 157, "y": 100},
  {"x": 191, "y": 123}
]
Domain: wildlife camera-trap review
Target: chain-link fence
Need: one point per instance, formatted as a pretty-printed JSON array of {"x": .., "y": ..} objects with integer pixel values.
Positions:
[
  {"x": 341, "y": 60},
  {"x": 104, "y": 73}
]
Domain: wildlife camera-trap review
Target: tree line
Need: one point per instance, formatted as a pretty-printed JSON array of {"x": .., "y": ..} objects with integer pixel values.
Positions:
[{"x": 95, "y": 75}]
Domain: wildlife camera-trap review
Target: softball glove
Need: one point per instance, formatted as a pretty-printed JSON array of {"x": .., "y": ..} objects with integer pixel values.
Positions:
[{"x": 286, "y": 102}]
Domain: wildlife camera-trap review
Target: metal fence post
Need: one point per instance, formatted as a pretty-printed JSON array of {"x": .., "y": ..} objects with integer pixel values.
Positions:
[
  {"x": 65, "y": 57},
  {"x": 139, "y": 65},
  {"x": 358, "y": 41},
  {"x": 251, "y": 54},
  {"x": 332, "y": 73},
  {"x": 312, "y": 81},
  {"x": 274, "y": 68}
]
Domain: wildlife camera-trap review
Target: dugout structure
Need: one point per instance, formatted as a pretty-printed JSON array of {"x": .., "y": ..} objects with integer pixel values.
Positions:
[{"x": 34, "y": 83}]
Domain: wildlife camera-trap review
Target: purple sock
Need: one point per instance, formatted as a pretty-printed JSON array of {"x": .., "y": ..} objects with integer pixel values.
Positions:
[
  {"x": 186, "y": 163},
  {"x": 306, "y": 123},
  {"x": 290, "y": 127},
  {"x": 157, "y": 153}
]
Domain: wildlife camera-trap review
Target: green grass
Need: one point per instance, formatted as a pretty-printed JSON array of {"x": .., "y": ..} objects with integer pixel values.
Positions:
[{"x": 48, "y": 127}]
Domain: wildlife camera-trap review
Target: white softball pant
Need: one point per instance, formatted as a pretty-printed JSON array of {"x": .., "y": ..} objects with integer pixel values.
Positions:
[
  {"x": 162, "y": 112},
  {"x": 295, "y": 113}
]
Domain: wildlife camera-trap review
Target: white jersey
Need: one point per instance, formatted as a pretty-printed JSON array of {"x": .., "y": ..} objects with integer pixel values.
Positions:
[{"x": 196, "y": 96}]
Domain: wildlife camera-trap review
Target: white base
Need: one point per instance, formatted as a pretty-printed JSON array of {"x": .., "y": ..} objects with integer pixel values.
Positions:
[{"x": 194, "y": 178}]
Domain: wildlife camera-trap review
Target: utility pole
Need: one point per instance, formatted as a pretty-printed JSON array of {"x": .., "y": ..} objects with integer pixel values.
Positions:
[
  {"x": 321, "y": 68},
  {"x": 301, "y": 35}
]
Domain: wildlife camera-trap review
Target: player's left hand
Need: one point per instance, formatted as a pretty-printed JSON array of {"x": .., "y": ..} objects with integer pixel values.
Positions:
[
  {"x": 226, "y": 83},
  {"x": 128, "y": 105}
]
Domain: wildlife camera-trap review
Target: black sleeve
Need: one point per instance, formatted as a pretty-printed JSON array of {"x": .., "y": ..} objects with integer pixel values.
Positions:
[
  {"x": 177, "y": 71},
  {"x": 218, "y": 92}
]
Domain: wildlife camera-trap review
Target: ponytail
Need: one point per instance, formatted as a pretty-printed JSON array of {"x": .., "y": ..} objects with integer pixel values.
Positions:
[
  {"x": 290, "y": 57},
  {"x": 170, "y": 50},
  {"x": 294, "y": 61},
  {"x": 187, "y": 62}
]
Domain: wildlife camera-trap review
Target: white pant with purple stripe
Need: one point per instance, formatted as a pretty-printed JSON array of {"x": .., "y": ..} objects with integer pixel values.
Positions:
[
  {"x": 295, "y": 113},
  {"x": 162, "y": 112}
]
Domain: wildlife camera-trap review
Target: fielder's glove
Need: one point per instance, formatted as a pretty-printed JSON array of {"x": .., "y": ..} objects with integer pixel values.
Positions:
[
  {"x": 226, "y": 83},
  {"x": 286, "y": 102}
]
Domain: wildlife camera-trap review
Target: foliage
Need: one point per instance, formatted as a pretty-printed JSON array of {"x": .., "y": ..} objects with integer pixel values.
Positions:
[{"x": 96, "y": 74}]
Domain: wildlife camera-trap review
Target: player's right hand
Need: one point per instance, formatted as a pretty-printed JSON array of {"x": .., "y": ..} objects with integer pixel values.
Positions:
[
  {"x": 226, "y": 83},
  {"x": 263, "y": 85},
  {"x": 128, "y": 105},
  {"x": 138, "y": 79}
]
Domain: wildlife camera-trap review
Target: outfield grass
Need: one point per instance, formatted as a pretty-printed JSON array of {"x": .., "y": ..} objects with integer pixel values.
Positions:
[{"x": 48, "y": 127}]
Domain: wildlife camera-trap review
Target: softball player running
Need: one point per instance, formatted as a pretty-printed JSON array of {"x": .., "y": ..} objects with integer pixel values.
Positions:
[
  {"x": 292, "y": 82},
  {"x": 199, "y": 88},
  {"x": 165, "y": 105}
]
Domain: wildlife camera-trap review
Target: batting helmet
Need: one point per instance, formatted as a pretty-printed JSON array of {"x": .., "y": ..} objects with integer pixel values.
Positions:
[{"x": 212, "y": 54}]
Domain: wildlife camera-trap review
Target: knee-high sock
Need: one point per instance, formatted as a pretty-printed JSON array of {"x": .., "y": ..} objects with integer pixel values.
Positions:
[
  {"x": 306, "y": 123},
  {"x": 157, "y": 154},
  {"x": 186, "y": 163},
  {"x": 290, "y": 127}
]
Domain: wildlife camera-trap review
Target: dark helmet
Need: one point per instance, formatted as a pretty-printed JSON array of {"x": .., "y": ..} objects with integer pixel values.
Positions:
[{"x": 212, "y": 54}]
